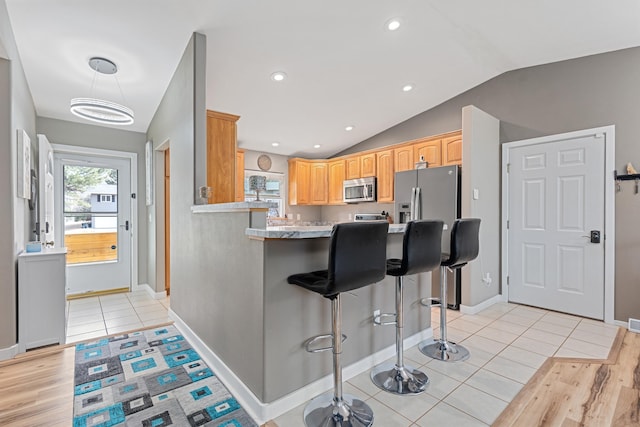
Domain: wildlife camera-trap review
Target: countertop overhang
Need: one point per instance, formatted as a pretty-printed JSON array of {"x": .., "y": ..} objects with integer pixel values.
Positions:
[{"x": 304, "y": 232}]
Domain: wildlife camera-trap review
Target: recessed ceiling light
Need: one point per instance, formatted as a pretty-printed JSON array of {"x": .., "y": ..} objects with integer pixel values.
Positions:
[
  {"x": 316, "y": 146},
  {"x": 407, "y": 88},
  {"x": 275, "y": 144},
  {"x": 278, "y": 76},
  {"x": 393, "y": 24},
  {"x": 348, "y": 128}
]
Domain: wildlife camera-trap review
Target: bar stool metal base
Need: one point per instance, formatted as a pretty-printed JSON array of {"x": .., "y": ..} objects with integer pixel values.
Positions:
[
  {"x": 325, "y": 411},
  {"x": 399, "y": 380},
  {"x": 445, "y": 351}
]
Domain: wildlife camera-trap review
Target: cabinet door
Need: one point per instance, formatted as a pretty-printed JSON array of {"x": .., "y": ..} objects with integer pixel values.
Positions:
[
  {"x": 368, "y": 165},
  {"x": 352, "y": 167},
  {"x": 403, "y": 158},
  {"x": 319, "y": 191},
  {"x": 336, "y": 178},
  {"x": 385, "y": 175},
  {"x": 431, "y": 151},
  {"x": 221, "y": 156},
  {"x": 240, "y": 176},
  {"x": 299, "y": 175},
  {"x": 452, "y": 150}
]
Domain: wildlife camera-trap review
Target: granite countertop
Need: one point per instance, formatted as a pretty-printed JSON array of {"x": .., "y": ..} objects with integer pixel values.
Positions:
[{"x": 304, "y": 232}]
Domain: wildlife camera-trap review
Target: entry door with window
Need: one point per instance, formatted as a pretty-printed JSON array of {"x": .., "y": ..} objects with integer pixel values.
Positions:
[
  {"x": 556, "y": 225},
  {"x": 95, "y": 210}
]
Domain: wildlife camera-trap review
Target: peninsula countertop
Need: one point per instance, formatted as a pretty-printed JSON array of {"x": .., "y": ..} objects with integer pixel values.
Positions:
[{"x": 304, "y": 232}]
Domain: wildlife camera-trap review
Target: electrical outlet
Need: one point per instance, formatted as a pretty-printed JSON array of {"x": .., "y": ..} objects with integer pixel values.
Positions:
[{"x": 487, "y": 279}]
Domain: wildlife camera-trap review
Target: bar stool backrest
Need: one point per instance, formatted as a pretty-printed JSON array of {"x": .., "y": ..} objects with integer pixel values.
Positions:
[
  {"x": 465, "y": 243},
  {"x": 421, "y": 247},
  {"x": 357, "y": 256}
]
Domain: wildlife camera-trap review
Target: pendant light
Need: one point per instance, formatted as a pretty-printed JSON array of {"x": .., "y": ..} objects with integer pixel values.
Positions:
[{"x": 99, "y": 110}]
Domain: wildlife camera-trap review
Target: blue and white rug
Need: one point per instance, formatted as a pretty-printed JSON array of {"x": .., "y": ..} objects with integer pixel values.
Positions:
[{"x": 150, "y": 378}]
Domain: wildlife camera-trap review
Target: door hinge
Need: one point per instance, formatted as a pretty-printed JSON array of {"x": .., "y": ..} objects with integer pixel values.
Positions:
[
  {"x": 507, "y": 280},
  {"x": 508, "y": 167},
  {"x": 133, "y": 195},
  {"x": 507, "y": 224}
]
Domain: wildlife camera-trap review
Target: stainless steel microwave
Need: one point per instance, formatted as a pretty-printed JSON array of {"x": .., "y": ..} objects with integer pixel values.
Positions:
[{"x": 359, "y": 190}]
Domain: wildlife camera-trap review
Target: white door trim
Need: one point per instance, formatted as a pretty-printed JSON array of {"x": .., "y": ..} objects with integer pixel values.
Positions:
[
  {"x": 133, "y": 159},
  {"x": 608, "y": 132}
]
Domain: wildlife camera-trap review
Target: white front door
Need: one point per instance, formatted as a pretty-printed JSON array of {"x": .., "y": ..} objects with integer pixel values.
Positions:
[
  {"x": 556, "y": 219},
  {"x": 93, "y": 210}
]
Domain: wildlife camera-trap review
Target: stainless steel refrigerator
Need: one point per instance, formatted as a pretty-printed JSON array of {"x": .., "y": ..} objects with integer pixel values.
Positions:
[{"x": 432, "y": 193}]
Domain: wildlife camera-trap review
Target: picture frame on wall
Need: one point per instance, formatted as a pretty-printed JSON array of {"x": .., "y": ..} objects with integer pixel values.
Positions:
[
  {"x": 24, "y": 165},
  {"x": 148, "y": 151}
]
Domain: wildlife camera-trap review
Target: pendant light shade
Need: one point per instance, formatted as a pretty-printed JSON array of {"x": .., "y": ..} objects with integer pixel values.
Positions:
[{"x": 99, "y": 110}]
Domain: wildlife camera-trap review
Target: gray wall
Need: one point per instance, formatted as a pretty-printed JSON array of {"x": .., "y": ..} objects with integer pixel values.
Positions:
[
  {"x": 553, "y": 98},
  {"x": 16, "y": 112},
  {"x": 84, "y": 135},
  {"x": 175, "y": 123}
]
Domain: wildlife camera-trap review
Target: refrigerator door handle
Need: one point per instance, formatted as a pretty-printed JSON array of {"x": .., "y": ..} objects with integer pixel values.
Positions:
[
  {"x": 413, "y": 204},
  {"x": 418, "y": 204}
]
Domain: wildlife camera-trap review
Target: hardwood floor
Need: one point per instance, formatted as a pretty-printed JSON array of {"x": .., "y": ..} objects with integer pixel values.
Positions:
[{"x": 581, "y": 392}]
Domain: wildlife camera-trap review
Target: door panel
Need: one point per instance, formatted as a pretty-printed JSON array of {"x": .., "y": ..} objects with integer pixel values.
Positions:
[
  {"x": 94, "y": 209},
  {"x": 556, "y": 197}
]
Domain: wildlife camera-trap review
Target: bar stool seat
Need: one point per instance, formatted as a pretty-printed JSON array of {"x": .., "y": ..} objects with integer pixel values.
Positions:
[
  {"x": 465, "y": 246},
  {"x": 357, "y": 258},
  {"x": 421, "y": 246}
]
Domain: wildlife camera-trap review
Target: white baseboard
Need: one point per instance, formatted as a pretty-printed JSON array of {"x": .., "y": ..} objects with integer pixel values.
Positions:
[
  {"x": 9, "y": 352},
  {"x": 621, "y": 324},
  {"x": 150, "y": 291},
  {"x": 474, "y": 309},
  {"x": 263, "y": 412}
]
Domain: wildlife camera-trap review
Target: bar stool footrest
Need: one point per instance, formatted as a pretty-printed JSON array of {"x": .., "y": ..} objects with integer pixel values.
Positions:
[
  {"x": 311, "y": 341},
  {"x": 430, "y": 302},
  {"x": 377, "y": 320}
]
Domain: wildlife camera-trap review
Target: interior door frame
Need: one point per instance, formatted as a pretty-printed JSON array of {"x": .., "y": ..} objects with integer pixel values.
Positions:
[
  {"x": 609, "y": 232},
  {"x": 133, "y": 163}
]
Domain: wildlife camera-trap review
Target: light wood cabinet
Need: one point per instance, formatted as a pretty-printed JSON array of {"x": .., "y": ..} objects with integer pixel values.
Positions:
[
  {"x": 221, "y": 156},
  {"x": 452, "y": 150},
  {"x": 368, "y": 165},
  {"x": 385, "y": 175},
  {"x": 319, "y": 183},
  {"x": 240, "y": 176},
  {"x": 299, "y": 179},
  {"x": 352, "y": 167},
  {"x": 430, "y": 150},
  {"x": 403, "y": 158},
  {"x": 336, "y": 178}
]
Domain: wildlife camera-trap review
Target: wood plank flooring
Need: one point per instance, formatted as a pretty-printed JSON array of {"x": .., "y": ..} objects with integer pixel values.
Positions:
[{"x": 582, "y": 392}]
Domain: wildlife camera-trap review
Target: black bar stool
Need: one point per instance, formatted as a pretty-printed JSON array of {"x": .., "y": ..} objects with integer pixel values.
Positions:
[
  {"x": 421, "y": 252},
  {"x": 357, "y": 258},
  {"x": 464, "y": 248}
]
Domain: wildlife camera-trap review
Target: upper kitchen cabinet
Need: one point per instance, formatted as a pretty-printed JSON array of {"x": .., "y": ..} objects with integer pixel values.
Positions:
[
  {"x": 352, "y": 167},
  {"x": 385, "y": 174},
  {"x": 319, "y": 192},
  {"x": 221, "y": 156},
  {"x": 336, "y": 178},
  {"x": 299, "y": 181},
  {"x": 430, "y": 151},
  {"x": 403, "y": 158},
  {"x": 452, "y": 150},
  {"x": 367, "y": 165},
  {"x": 240, "y": 176}
]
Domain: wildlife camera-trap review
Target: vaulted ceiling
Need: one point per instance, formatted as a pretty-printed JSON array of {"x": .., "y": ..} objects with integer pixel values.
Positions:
[{"x": 343, "y": 66}]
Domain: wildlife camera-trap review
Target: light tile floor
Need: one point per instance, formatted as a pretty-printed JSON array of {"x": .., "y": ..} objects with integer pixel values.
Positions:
[
  {"x": 94, "y": 317},
  {"x": 508, "y": 344}
]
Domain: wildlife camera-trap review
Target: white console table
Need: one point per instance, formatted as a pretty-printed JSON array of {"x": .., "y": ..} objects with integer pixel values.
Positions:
[{"x": 41, "y": 298}]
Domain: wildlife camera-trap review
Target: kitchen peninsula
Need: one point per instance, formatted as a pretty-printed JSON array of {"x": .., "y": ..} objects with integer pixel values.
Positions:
[{"x": 256, "y": 324}]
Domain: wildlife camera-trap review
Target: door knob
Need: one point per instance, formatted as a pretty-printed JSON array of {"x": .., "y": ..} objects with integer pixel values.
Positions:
[
  {"x": 594, "y": 236},
  {"x": 113, "y": 246}
]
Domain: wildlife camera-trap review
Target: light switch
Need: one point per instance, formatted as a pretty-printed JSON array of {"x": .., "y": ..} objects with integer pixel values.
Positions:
[{"x": 476, "y": 194}]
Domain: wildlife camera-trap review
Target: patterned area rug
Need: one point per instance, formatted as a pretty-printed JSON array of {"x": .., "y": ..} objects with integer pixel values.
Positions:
[{"x": 150, "y": 378}]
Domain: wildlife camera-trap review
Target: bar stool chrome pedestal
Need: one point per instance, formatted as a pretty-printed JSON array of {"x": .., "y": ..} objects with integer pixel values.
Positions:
[
  {"x": 464, "y": 248},
  {"x": 421, "y": 252},
  {"x": 357, "y": 258}
]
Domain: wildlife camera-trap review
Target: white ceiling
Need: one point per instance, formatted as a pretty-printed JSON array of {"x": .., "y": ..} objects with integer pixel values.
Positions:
[{"x": 343, "y": 66}]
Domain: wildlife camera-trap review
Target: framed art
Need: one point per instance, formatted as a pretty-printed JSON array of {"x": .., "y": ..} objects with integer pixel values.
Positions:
[
  {"x": 24, "y": 165},
  {"x": 148, "y": 151}
]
